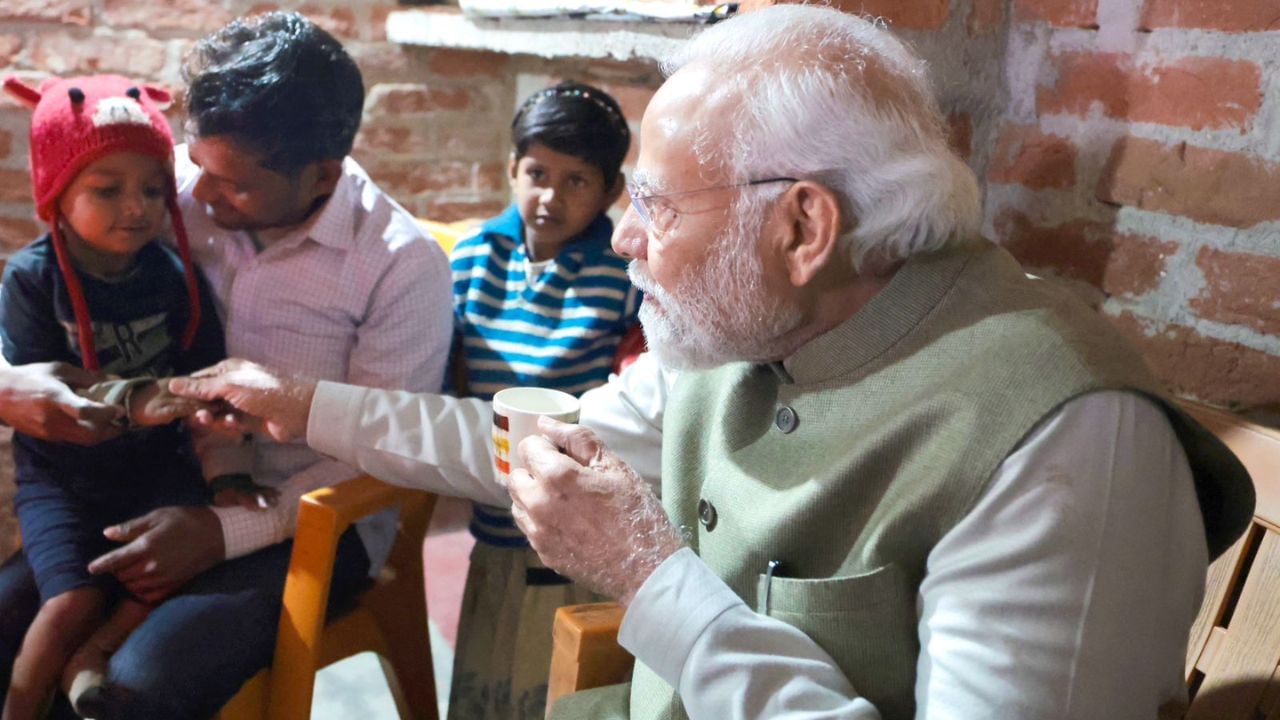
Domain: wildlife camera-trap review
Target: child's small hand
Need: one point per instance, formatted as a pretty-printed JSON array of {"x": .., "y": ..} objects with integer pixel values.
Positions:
[
  {"x": 238, "y": 489},
  {"x": 152, "y": 404}
]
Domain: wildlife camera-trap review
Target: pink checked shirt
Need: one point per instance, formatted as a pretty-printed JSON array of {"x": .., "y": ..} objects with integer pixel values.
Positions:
[{"x": 359, "y": 294}]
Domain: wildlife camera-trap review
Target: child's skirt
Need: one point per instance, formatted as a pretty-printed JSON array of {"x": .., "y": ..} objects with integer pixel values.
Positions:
[{"x": 503, "y": 653}]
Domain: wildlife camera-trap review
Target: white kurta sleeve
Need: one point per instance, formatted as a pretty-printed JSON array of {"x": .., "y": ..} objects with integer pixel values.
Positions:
[
  {"x": 442, "y": 444},
  {"x": 1067, "y": 592}
]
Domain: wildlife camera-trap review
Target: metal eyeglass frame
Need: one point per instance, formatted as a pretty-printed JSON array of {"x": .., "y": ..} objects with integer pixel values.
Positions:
[{"x": 638, "y": 201}]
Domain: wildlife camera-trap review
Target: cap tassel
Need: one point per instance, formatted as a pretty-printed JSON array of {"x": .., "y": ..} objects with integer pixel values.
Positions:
[
  {"x": 188, "y": 270},
  {"x": 84, "y": 326}
]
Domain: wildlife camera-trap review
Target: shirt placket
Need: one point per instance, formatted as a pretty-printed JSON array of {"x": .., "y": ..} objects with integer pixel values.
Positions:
[{"x": 242, "y": 294}]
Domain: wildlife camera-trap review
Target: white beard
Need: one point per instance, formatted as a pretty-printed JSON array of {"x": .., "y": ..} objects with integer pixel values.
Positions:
[{"x": 719, "y": 313}]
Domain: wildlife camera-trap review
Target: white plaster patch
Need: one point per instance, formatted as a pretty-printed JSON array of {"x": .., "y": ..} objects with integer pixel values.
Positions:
[
  {"x": 1183, "y": 280},
  {"x": 1046, "y": 207},
  {"x": 1027, "y": 50},
  {"x": 548, "y": 38},
  {"x": 1261, "y": 239},
  {"x": 119, "y": 111}
]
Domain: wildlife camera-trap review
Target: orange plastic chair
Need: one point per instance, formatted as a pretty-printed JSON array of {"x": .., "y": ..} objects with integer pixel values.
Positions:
[
  {"x": 448, "y": 234},
  {"x": 390, "y": 618},
  {"x": 585, "y": 653}
]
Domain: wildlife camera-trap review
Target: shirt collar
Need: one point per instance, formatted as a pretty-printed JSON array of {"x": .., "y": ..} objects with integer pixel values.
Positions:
[{"x": 507, "y": 224}]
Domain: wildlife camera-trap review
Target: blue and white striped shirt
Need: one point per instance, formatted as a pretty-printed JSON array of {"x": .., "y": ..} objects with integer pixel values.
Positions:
[{"x": 559, "y": 328}]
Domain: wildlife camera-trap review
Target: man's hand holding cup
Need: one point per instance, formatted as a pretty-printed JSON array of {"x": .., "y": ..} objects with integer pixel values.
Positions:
[{"x": 588, "y": 515}]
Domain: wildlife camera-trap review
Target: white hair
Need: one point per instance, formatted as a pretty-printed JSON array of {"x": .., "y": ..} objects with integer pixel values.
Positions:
[{"x": 815, "y": 93}]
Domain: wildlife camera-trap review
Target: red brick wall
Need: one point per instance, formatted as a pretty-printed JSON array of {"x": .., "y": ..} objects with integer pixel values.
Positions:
[{"x": 1139, "y": 153}]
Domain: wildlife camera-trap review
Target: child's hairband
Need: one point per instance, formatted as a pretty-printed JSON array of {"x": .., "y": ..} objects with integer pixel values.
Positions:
[{"x": 575, "y": 92}]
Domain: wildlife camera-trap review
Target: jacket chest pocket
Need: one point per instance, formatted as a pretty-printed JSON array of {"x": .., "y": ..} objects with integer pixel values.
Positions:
[{"x": 866, "y": 623}]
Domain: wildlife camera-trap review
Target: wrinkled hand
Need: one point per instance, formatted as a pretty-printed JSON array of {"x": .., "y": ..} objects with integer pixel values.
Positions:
[
  {"x": 163, "y": 550},
  {"x": 153, "y": 404},
  {"x": 588, "y": 515},
  {"x": 262, "y": 399},
  {"x": 39, "y": 400}
]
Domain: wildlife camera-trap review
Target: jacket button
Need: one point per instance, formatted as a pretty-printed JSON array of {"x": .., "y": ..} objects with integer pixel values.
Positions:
[
  {"x": 786, "y": 419},
  {"x": 707, "y": 514}
]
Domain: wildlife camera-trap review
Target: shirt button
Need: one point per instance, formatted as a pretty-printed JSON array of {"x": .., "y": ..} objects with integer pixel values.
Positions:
[
  {"x": 786, "y": 419},
  {"x": 707, "y": 514}
]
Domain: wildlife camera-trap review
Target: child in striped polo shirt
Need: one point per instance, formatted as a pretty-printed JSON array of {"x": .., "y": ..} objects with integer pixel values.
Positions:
[{"x": 540, "y": 299}]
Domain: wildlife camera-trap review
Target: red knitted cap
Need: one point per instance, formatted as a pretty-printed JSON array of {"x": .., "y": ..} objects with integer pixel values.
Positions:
[{"x": 77, "y": 121}]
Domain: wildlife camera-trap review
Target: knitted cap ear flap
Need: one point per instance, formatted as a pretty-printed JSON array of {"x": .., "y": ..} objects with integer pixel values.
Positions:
[
  {"x": 84, "y": 326},
  {"x": 188, "y": 271},
  {"x": 22, "y": 92}
]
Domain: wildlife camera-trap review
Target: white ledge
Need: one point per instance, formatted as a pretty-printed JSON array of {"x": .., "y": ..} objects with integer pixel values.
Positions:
[{"x": 543, "y": 37}]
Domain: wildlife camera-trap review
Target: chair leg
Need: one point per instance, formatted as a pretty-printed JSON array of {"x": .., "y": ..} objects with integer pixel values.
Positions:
[
  {"x": 403, "y": 619},
  {"x": 411, "y": 702},
  {"x": 408, "y": 667},
  {"x": 251, "y": 702}
]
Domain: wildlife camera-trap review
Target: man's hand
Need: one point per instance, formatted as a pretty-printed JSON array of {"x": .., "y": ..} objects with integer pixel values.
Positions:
[
  {"x": 262, "y": 399},
  {"x": 587, "y": 513},
  {"x": 163, "y": 550},
  {"x": 152, "y": 404},
  {"x": 39, "y": 400}
]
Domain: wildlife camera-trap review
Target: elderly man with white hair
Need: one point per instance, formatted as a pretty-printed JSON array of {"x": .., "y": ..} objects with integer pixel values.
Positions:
[{"x": 899, "y": 478}]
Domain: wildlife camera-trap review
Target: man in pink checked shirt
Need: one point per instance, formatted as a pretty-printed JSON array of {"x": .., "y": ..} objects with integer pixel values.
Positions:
[{"x": 314, "y": 269}]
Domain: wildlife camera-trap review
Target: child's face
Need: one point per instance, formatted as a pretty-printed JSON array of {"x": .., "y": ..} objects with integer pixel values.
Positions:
[
  {"x": 116, "y": 205},
  {"x": 558, "y": 196}
]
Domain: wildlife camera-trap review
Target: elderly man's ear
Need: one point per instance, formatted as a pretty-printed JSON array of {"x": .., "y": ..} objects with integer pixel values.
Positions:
[{"x": 811, "y": 221}]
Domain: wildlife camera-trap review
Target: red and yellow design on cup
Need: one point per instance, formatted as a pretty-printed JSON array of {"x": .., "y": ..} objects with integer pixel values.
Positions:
[{"x": 515, "y": 417}]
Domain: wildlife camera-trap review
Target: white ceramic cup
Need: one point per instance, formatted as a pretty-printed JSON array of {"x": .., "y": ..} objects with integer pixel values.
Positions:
[{"x": 515, "y": 417}]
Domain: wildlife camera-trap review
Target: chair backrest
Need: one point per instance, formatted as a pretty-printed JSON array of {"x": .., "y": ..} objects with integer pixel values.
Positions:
[
  {"x": 448, "y": 234},
  {"x": 1233, "y": 656},
  {"x": 585, "y": 653}
]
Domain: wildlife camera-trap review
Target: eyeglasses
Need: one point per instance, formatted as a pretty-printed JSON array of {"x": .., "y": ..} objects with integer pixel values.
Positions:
[{"x": 659, "y": 219}]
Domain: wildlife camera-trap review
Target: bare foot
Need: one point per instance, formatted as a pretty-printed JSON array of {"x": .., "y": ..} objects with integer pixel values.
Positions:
[{"x": 85, "y": 675}]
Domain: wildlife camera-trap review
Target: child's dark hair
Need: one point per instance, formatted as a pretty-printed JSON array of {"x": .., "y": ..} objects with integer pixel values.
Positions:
[{"x": 575, "y": 119}]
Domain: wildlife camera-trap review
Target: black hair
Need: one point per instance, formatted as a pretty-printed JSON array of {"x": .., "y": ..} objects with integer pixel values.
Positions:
[
  {"x": 575, "y": 119},
  {"x": 279, "y": 84}
]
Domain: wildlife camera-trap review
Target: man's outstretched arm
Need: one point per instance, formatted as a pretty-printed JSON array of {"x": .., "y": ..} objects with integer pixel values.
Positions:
[{"x": 425, "y": 440}]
